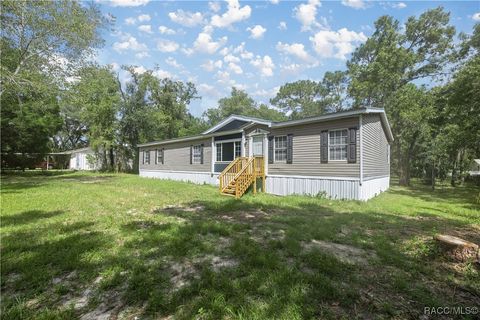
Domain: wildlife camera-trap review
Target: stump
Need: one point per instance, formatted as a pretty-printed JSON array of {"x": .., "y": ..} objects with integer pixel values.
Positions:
[{"x": 459, "y": 249}]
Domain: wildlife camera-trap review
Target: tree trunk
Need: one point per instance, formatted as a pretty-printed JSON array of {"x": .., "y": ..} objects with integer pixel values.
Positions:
[
  {"x": 433, "y": 176},
  {"x": 112, "y": 159}
]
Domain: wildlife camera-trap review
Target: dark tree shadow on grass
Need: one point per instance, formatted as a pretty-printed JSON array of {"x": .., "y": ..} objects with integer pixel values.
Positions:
[{"x": 26, "y": 217}]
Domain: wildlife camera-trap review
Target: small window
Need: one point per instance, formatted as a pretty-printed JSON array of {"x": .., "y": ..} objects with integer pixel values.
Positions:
[
  {"x": 197, "y": 154},
  {"x": 146, "y": 156},
  {"x": 159, "y": 159},
  {"x": 337, "y": 145},
  {"x": 280, "y": 149}
]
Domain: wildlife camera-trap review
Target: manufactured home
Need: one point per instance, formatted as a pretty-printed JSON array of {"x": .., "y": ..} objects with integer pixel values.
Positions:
[{"x": 343, "y": 155}]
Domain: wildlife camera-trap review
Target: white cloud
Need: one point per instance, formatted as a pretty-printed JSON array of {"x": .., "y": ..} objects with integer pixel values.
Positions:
[
  {"x": 244, "y": 54},
  {"x": 130, "y": 21},
  {"x": 188, "y": 51},
  {"x": 231, "y": 58},
  {"x": 211, "y": 65},
  {"x": 208, "y": 90},
  {"x": 145, "y": 28},
  {"x": 336, "y": 44},
  {"x": 166, "y": 30},
  {"x": 172, "y": 62},
  {"x": 129, "y": 43},
  {"x": 265, "y": 65},
  {"x": 235, "y": 68},
  {"x": 234, "y": 14},
  {"x": 476, "y": 16},
  {"x": 143, "y": 18},
  {"x": 293, "y": 68},
  {"x": 282, "y": 25},
  {"x": 115, "y": 66},
  {"x": 400, "y": 5},
  {"x": 356, "y": 4},
  {"x": 295, "y": 49},
  {"x": 274, "y": 1},
  {"x": 186, "y": 18},
  {"x": 205, "y": 44},
  {"x": 139, "y": 70},
  {"x": 127, "y": 3},
  {"x": 257, "y": 31},
  {"x": 167, "y": 45},
  {"x": 141, "y": 55},
  {"x": 306, "y": 13},
  {"x": 161, "y": 74},
  {"x": 214, "y": 6},
  {"x": 266, "y": 93}
]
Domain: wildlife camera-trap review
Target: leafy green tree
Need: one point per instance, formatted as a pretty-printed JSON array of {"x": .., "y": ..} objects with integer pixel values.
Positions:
[
  {"x": 152, "y": 109},
  {"x": 335, "y": 86},
  {"x": 240, "y": 103},
  {"x": 384, "y": 69},
  {"x": 41, "y": 42},
  {"x": 395, "y": 56},
  {"x": 300, "y": 99},
  {"x": 97, "y": 97},
  {"x": 46, "y": 37}
]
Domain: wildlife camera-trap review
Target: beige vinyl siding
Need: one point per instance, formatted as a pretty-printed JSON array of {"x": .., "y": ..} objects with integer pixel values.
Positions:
[
  {"x": 177, "y": 156},
  {"x": 375, "y": 147},
  {"x": 306, "y": 151}
]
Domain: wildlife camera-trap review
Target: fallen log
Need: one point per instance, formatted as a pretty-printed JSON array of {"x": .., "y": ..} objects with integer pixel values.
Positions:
[{"x": 459, "y": 249}]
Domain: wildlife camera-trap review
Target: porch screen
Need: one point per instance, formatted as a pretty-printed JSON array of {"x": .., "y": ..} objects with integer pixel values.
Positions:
[{"x": 227, "y": 151}]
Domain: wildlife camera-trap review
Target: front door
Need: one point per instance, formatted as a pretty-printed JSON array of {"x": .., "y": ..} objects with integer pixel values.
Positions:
[{"x": 257, "y": 146}]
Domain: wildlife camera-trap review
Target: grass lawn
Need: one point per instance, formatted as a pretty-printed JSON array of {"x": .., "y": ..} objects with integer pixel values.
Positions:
[{"x": 102, "y": 245}]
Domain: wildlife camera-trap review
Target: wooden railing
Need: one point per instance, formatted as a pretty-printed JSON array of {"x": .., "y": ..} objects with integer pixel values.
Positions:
[
  {"x": 241, "y": 173},
  {"x": 244, "y": 178},
  {"x": 228, "y": 174}
]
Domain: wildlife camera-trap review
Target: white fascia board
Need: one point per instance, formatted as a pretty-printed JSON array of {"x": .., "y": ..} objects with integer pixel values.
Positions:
[{"x": 236, "y": 117}]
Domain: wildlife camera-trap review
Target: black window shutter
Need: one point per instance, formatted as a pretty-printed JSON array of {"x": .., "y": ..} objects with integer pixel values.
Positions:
[
  {"x": 191, "y": 154},
  {"x": 289, "y": 148},
  {"x": 324, "y": 146},
  {"x": 142, "y": 155},
  {"x": 352, "y": 145},
  {"x": 163, "y": 155},
  {"x": 201, "y": 153},
  {"x": 270, "y": 149},
  {"x": 156, "y": 156}
]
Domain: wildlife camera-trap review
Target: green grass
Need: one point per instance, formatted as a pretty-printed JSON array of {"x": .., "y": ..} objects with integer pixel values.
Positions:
[{"x": 111, "y": 240}]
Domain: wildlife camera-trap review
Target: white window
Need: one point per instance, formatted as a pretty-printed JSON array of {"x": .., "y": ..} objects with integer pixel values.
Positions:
[
  {"x": 146, "y": 157},
  {"x": 227, "y": 151},
  {"x": 197, "y": 154},
  {"x": 337, "y": 144},
  {"x": 159, "y": 158},
  {"x": 280, "y": 149}
]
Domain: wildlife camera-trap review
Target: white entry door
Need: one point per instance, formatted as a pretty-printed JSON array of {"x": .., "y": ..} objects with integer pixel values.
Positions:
[{"x": 257, "y": 146}]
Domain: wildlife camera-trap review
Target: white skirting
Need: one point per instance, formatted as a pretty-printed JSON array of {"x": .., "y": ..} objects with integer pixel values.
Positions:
[
  {"x": 195, "y": 177},
  {"x": 373, "y": 187},
  {"x": 331, "y": 187}
]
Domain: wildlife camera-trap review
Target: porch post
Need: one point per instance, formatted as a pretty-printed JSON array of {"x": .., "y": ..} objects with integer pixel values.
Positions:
[
  {"x": 250, "y": 146},
  {"x": 243, "y": 144},
  {"x": 265, "y": 153},
  {"x": 214, "y": 155}
]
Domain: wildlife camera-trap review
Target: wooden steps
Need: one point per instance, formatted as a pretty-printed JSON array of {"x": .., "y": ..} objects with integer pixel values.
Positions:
[{"x": 240, "y": 174}]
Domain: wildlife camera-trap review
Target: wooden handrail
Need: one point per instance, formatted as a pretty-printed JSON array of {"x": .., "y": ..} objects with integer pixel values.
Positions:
[
  {"x": 241, "y": 173},
  {"x": 228, "y": 174}
]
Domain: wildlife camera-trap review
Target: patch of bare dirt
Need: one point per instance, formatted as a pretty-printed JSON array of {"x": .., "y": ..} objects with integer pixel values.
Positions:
[
  {"x": 179, "y": 207},
  {"x": 183, "y": 272},
  {"x": 344, "y": 253}
]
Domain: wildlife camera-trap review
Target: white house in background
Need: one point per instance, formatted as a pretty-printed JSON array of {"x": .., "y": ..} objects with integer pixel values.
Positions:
[
  {"x": 81, "y": 159},
  {"x": 475, "y": 168}
]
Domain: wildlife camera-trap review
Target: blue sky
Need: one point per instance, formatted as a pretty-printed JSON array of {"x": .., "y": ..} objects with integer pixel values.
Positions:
[{"x": 253, "y": 45}]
